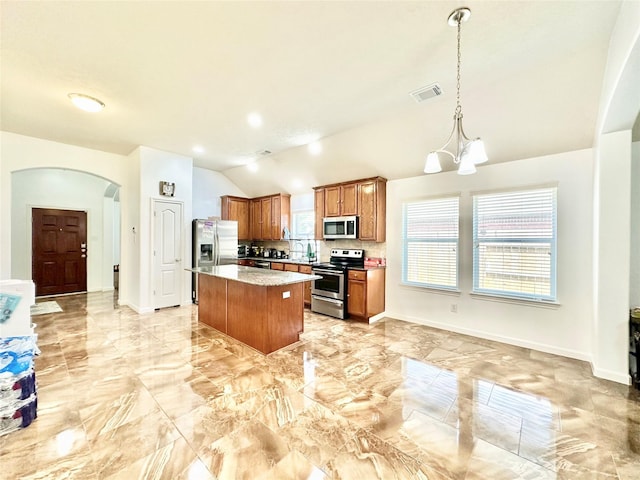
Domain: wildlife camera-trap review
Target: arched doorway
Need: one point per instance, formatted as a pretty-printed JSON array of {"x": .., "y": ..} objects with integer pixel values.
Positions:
[{"x": 67, "y": 190}]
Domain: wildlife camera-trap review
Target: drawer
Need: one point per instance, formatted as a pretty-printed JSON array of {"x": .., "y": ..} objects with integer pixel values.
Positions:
[
  {"x": 305, "y": 269},
  {"x": 357, "y": 275},
  {"x": 277, "y": 266},
  {"x": 290, "y": 267}
]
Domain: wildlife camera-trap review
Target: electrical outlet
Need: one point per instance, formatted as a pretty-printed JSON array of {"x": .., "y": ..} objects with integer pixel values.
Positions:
[{"x": 454, "y": 308}]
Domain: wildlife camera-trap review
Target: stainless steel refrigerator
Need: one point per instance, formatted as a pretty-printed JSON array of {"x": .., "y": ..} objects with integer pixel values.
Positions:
[{"x": 215, "y": 242}]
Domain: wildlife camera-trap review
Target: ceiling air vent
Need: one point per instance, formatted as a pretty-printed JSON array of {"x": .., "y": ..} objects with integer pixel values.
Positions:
[{"x": 425, "y": 93}]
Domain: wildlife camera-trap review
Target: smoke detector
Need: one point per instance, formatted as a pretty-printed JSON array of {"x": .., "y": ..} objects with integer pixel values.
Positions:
[{"x": 425, "y": 93}]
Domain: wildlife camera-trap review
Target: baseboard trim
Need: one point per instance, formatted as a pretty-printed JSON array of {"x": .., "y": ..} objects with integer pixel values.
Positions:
[
  {"x": 140, "y": 310},
  {"x": 377, "y": 317},
  {"x": 623, "y": 378},
  {"x": 542, "y": 347}
]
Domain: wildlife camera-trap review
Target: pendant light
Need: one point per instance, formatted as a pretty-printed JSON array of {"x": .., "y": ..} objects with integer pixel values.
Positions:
[{"x": 468, "y": 153}]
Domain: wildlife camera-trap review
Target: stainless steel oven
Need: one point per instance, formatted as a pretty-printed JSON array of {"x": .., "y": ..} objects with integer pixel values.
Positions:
[
  {"x": 331, "y": 285},
  {"x": 329, "y": 294}
]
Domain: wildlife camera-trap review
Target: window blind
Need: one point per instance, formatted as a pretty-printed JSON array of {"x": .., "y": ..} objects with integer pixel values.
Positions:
[
  {"x": 430, "y": 241},
  {"x": 514, "y": 235}
]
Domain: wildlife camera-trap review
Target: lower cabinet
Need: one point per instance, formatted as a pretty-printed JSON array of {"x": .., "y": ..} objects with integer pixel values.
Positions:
[
  {"x": 365, "y": 293},
  {"x": 277, "y": 266},
  {"x": 307, "y": 285}
]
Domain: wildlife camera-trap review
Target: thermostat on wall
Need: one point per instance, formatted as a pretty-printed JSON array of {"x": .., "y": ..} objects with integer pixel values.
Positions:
[{"x": 167, "y": 189}]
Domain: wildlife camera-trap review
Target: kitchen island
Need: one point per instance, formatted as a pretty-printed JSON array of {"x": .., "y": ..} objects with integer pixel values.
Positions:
[{"x": 261, "y": 308}]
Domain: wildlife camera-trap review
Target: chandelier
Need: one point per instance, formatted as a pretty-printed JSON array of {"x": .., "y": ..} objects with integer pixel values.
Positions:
[{"x": 468, "y": 153}]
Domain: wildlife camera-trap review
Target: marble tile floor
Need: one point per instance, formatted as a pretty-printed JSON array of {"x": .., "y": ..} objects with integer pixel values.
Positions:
[{"x": 160, "y": 396}]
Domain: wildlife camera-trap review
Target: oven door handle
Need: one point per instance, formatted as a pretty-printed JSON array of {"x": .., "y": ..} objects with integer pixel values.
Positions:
[
  {"x": 330, "y": 272},
  {"x": 328, "y": 300}
]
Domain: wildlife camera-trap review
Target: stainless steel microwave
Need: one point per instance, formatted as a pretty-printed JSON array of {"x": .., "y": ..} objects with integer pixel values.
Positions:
[{"x": 340, "y": 227}]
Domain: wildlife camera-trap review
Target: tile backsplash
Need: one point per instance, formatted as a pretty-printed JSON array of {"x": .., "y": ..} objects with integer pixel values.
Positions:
[{"x": 371, "y": 249}]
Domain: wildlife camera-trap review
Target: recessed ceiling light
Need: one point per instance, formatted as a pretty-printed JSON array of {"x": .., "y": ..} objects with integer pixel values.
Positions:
[
  {"x": 198, "y": 149},
  {"x": 253, "y": 167},
  {"x": 315, "y": 148},
  {"x": 255, "y": 120},
  {"x": 85, "y": 102}
]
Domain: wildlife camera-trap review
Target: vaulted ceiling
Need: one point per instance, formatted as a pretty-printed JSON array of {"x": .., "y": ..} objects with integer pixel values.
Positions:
[{"x": 178, "y": 74}]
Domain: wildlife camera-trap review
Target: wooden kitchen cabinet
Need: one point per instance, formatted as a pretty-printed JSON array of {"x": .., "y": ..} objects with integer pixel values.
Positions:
[
  {"x": 372, "y": 208},
  {"x": 307, "y": 285},
  {"x": 365, "y": 293},
  {"x": 237, "y": 208},
  {"x": 265, "y": 223},
  {"x": 255, "y": 216},
  {"x": 366, "y": 198},
  {"x": 268, "y": 216},
  {"x": 280, "y": 215},
  {"x": 341, "y": 200},
  {"x": 319, "y": 212},
  {"x": 277, "y": 266}
]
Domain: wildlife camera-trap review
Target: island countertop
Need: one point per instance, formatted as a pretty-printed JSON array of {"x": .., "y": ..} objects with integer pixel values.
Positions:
[{"x": 254, "y": 276}]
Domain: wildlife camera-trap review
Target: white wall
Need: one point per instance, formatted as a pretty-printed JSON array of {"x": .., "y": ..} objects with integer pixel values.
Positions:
[
  {"x": 61, "y": 189},
  {"x": 208, "y": 187},
  {"x": 619, "y": 107},
  {"x": 19, "y": 152},
  {"x": 156, "y": 166},
  {"x": 634, "y": 274},
  {"x": 566, "y": 329}
]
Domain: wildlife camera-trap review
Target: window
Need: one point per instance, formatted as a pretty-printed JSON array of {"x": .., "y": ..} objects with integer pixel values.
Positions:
[
  {"x": 430, "y": 243},
  {"x": 302, "y": 241},
  {"x": 514, "y": 239}
]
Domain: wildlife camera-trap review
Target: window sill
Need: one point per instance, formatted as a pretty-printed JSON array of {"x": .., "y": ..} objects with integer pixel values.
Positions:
[
  {"x": 442, "y": 291},
  {"x": 515, "y": 300}
]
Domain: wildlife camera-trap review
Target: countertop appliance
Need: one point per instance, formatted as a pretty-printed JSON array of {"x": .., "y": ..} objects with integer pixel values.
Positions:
[
  {"x": 329, "y": 294},
  {"x": 215, "y": 242},
  {"x": 340, "y": 227}
]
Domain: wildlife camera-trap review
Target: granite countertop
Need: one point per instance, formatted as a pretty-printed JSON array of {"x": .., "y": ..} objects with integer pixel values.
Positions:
[{"x": 254, "y": 276}]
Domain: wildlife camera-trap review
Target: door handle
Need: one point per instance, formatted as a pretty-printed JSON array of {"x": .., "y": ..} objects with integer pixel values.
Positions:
[{"x": 178, "y": 260}]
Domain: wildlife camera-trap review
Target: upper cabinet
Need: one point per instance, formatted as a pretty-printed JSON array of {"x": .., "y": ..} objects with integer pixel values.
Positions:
[
  {"x": 237, "y": 208},
  {"x": 372, "y": 209},
  {"x": 262, "y": 218},
  {"x": 341, "y": 200},
  {"x": 366, "y": 198}
]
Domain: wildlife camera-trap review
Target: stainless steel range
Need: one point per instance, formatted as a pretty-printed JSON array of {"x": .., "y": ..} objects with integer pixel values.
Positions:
[{"x": 329, "y": 294}]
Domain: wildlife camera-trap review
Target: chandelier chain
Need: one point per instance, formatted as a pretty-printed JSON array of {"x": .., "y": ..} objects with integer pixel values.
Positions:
[{"x": 458, "y": 107}]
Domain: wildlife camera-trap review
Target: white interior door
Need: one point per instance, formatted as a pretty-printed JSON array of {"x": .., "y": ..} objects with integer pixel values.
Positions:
[{"x": 167, "y": 253}]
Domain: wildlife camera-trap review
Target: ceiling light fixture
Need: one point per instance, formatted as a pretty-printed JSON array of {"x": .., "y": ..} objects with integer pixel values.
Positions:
[
  {"x": 255, "y": 120},
  {"x": 86, "y": 103},
  {"x": 468, "y": 153},
  {"x": 198, "y": 149},
  {"x": 315, "y": 148}
]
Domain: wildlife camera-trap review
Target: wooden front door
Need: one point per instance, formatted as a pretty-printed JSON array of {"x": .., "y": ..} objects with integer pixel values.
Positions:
[{"x": 59, "y": 251}]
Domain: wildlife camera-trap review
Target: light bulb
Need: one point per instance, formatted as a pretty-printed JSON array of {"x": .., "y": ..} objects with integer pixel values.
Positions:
[
  {"x": 466, "y": 164},
  {"x": 432, "y": 164},
  {"x": 477, "y": 152}
]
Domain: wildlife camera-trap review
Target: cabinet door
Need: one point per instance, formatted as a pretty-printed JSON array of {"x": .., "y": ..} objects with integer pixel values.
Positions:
[
  {"x": 265, "y": 224},
  {"x": 332, "y": 202},
  {"x": 349, "y": 199},
  {"x": 237, "y": 209},
  {"x": 256, "y": 219},
  {"x": 357, "y": 303},
  {"x": 367, "y": 212},
  {"x": 307, "y": 285},
  {"x": 319, "y": 212},
  {"x": 290, "y": 267},
  {"x": 275, "y": 233},
  {"x": 277, "y": 266}
]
